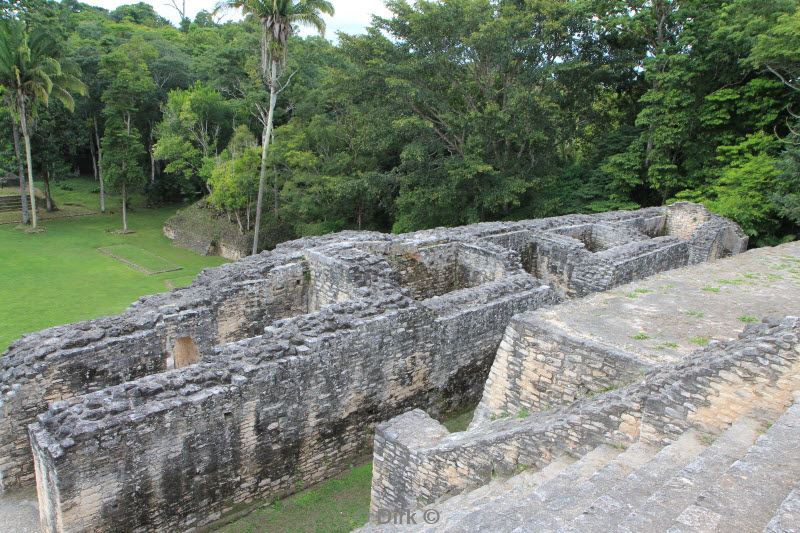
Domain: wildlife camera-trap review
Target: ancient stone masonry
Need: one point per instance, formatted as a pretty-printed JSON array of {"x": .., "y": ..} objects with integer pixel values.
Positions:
[
  {"x": 417, "y": 461},
  {"x": 273, "y": 371},
  {"x": 621, "y": 370},
  {"x": 552, "y": 357}
]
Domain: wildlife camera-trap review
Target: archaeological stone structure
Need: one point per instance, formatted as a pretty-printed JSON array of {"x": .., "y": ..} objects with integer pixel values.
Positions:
[
  {"x": 603, "y": 414},
  {"x": 272, "y": 372}
]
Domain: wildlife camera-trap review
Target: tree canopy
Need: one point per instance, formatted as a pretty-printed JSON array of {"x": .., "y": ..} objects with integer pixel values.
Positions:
[{"x": 442, "y": 113}]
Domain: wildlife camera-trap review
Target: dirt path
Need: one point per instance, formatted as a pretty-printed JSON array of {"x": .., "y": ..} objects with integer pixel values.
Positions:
[{"x": 19, "y": 512}]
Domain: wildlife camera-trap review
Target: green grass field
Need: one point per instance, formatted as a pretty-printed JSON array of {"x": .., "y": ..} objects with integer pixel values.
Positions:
[
  {"x": 58, "y": 276},
  {"x": 139, "y": 259}
]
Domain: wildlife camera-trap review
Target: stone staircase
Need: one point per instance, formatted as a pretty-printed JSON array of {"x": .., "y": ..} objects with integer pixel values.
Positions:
[
  {"x": 746, "y": 479},
  {"x": 10, "y": 203}
]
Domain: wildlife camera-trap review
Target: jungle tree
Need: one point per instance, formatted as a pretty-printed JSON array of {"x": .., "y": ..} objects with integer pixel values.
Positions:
[
  {"x": 31, "y": 73},
  {"x": 277, "y": 18}
]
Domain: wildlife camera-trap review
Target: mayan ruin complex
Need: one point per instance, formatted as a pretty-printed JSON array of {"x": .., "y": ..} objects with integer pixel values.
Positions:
[{"x": 633, "y": 371}]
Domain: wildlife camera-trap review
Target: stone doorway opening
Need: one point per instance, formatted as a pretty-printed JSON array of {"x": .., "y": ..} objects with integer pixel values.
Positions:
[{"x": 185, "y": 352}]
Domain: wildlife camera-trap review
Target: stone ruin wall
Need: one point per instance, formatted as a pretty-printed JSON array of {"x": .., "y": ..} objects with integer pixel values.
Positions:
[
  {"x": 66, "y": 361},
  {"x": 293, "y": 357},
  {"x": 539, "y": 367},
  {"x": 417, "y": 461},
  {"x": 289, "y": 407}
]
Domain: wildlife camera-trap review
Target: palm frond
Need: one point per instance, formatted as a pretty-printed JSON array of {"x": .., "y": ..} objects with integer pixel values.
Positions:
[
  {"x": 314, "y": 6},
  {"x": 51, "y": 66},
  {"x": 38, "y": 78},
  {"x": 313, "y": 20},
  {"x": 29, "y": 69},
  {"x": 63, "y": 96}
]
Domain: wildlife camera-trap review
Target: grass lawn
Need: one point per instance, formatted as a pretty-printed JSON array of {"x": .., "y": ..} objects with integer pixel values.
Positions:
[
  {"x": 338, "y": 505},
  {"x": 140, "y": 259},
  {"x": 59, "y": 276}
]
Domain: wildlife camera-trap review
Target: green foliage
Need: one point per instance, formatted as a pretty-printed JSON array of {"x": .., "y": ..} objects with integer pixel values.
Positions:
[
  {"x": 32, "y": 69},
  {"x": 195, "y": 122},
  {"x": 130, "y": 82},
  {"x": 787, "y": 197},
  {"x": 777, "y": 47},
  {"x": 139, "y": 13},
  {"x": 279, "y": 18},
  {"x": 747, "y": 178},
  {"x": 122, "y": 158},
  {"x": 443, "y": 113},
  {"x": 234, "y": 178}
]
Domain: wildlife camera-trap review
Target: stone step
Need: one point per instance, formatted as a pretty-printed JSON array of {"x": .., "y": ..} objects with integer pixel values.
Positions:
[
  {"x": 500, "y": 516},
  {"x": 453, "y": 511},
  {"x": 787, "y": 519},
  {"x": 537, "y": 508},
  {"x": 617, "y": 501},
  {"x": 660, "y": 509},
  {"x": 748, "y": 495}
]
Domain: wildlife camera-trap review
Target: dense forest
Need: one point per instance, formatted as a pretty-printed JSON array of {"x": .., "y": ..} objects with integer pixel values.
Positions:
[{"x": 448, "y": 112}]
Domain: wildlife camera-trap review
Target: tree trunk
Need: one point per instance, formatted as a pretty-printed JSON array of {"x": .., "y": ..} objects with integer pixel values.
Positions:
[
  {"x": 124, "y": 209},
  {"x": 93, "y": 153},
  {"x": 51, "y": 206},
  {"x": 28, "y": 157},
  {"x": 100, "y": 166},
  {"x": 273, "y": 98},
  {"x": 124, "y": 188},
  {"x": 23, "y": 193},
  {"x": 239, "y": 221},
  {"x": 152, "y": 159}
]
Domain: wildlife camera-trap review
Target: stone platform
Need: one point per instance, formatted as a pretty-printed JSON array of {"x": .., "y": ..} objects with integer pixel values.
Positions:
[
  {"x": 554, "y": 356},
  {"x": 606, "y": 414},
  {"x": 744, "y": 479}
]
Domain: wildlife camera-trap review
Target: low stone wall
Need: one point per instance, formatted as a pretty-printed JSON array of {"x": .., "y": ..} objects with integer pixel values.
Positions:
[
  {"x": 224, "y": 305},
  {"x": 417, "y": 461},
  {"x": 205, "y": 231},
  {"x": 552, "y": 357},
  {"x": 629, "y": 262}
]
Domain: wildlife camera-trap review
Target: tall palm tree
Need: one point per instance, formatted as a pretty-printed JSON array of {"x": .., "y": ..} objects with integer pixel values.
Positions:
[
  {"x": 31, "y": 74},
  {"x": 278, "y": 19}
]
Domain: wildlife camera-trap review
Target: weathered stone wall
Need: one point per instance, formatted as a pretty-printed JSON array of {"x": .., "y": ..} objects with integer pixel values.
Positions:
[
  {"x": 538, "y": 367},
  {"x": 411, "y": 321},
  {"x": 66, "y": 361},
  {"x": 709, "y": 236},
  {"x": 295, "y": 415},
  {"x": 206, "y": 231},
  {"x": 417, "y": 461},
  {"x": 283, "y": 293},
  {"x": 555, "y": 356},
  {"x": 629, "y": 262}
]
